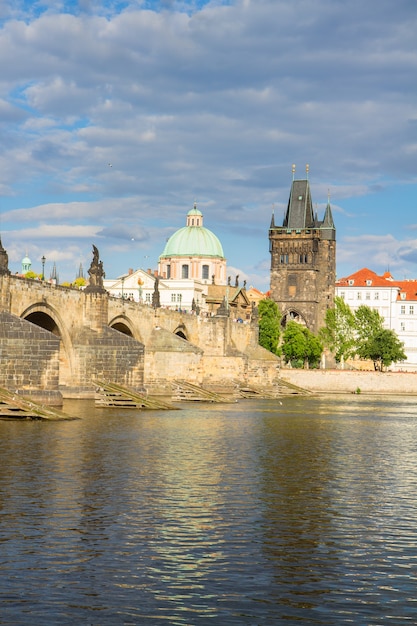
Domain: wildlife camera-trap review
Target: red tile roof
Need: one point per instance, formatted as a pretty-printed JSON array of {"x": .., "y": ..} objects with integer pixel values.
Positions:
[{"x": 360, "y": 278}]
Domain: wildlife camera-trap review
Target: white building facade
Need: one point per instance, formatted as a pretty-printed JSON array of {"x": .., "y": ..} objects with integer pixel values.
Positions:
[
  {"x": 395, "y": 301},
  {"x": 139, "y": 286},
  {"x": 192, "y": 260}
]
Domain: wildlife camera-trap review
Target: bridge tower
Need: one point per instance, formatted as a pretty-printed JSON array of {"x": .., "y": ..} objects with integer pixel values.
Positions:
[{"x": 303, "y": 259}]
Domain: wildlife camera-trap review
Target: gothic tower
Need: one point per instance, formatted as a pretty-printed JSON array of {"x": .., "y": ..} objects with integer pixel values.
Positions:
[{"x": 303, "y": 259}]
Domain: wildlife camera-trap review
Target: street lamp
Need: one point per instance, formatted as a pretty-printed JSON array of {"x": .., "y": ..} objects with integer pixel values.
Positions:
[{"x": 43, "y": 267}]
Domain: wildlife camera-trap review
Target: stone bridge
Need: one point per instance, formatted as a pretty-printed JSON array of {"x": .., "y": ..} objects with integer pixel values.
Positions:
[{"x": 55, "y": 341}]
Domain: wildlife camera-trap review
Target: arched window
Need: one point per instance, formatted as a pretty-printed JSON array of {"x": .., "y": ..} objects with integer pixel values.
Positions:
[
  {"x": 184, "y": 271},
  {"x": 205, "y": 272}
]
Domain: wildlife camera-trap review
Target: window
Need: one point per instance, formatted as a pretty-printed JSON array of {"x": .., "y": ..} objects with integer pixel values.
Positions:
[
  {"x": 205, "y": 272},
  {"x": 284, "y": 259},
  {"x": 148, "y": 297},
  {"x": 351, "y": 282},
  {"x": 359, "y": 296},
  {"x": 173, "y": 297},
  {"x": 342, "y": 295},
  {"x": 184, "y": 271},
  {"x": 402, "y": 326},
  {"x": 367, "y": 296},
  {"x": 168, "y": 271},
  {"x": 411, "y": 309},
  {"x": 403, "y": 309},
  {"x": 376, "y": 295}
]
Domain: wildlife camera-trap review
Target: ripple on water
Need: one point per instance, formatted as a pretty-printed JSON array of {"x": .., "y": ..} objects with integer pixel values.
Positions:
[{"x": 252, "y": 513}]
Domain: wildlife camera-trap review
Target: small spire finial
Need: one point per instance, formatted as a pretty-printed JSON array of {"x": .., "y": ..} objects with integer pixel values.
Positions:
[
  {"x": 328, "y": 196},
  {"x": 307, "y": 170},
  {"x": 293, "y": 170}
]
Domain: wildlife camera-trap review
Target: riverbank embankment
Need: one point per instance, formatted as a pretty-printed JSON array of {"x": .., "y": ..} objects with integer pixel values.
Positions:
[{"x": 350, "y": 381}]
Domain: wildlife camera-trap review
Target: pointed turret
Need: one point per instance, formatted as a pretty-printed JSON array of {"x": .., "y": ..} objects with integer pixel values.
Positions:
[
  {"x": 272, "y": 219},
  {"x": 54, "y": 278},
  {"x": 327, "y": 225},
  {"x": 299, "y": 213}
]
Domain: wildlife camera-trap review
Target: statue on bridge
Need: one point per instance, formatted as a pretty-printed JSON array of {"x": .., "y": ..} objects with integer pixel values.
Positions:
[
  {"x": 4, "y": 260},
  {"x": 156, "y": 300},
  {"x": 96, "y": 274}
]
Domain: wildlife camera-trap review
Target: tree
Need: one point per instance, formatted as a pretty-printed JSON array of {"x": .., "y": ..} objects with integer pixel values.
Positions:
[
  {"x": 368, "y": 323},
  {"x": 32, "y": 275},
  {"x": 79, "y": 282},
  {"x": 383, "y": 348},
  {"x": 300, "y": 346},
  {"x": 269, "y": 325},
  {"x": 339, "y": 332}
]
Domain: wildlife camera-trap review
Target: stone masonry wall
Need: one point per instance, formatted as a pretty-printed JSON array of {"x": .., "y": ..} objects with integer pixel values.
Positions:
[
  {"x": 344, "y": 381},
  {"x": 107, "y": 355},
  {"x": 29, "y": 358}
]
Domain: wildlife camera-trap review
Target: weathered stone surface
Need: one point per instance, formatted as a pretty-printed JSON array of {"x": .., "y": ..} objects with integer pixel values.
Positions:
[
  {"x": 29, "y": 359},
  {"x": 135, "y": 345},
  {"x": 349, "y": 381}
]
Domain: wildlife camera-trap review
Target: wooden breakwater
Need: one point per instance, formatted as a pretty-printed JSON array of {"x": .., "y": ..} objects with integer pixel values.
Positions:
[{"x": 14, "y": 406}]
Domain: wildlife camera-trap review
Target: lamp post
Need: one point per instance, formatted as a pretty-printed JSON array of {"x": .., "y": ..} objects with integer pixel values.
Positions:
[
  {"x": 43, "y": 267},
  {"x": 123, "y": 282}
]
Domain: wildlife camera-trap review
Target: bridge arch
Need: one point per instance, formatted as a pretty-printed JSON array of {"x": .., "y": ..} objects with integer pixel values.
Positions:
[
  {"x": 292, "y": 315},
  {"x": 181, "y": 331},
  {"x": 47, "y": 317},
  {"x": 124, "y": 325}
]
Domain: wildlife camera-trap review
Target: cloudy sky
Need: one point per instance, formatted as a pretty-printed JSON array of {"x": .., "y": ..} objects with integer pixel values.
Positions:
[{"x": 116, "y": 116}]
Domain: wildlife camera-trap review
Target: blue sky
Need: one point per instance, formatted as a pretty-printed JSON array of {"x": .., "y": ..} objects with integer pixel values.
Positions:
[{"x": 116, "y": 116}]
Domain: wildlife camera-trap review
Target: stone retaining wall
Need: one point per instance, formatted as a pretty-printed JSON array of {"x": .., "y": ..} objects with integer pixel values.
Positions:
[{"x": 340, "y": 381}]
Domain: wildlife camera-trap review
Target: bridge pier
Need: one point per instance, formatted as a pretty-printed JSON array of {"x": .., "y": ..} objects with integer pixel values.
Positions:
[{"x": 88, "y": 335}]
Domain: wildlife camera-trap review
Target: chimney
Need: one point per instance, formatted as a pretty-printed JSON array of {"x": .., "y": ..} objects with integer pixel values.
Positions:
[{"x": 130, "y": 271}]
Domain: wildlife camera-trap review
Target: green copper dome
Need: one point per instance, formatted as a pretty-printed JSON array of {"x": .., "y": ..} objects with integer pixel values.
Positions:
[{"x": 193, "y": 239}]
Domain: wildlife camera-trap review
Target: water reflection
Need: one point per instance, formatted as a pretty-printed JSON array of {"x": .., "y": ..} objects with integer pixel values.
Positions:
[{"x": 254, "y": 513}]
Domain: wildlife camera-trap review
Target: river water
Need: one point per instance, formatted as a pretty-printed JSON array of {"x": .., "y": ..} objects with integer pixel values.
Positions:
[{"x": 259, "y": 512}]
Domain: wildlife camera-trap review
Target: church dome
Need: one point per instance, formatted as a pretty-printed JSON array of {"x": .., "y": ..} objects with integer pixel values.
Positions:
[{"x": 193, "y": 240}]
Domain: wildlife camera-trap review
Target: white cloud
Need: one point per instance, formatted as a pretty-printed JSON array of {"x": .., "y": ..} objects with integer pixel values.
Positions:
[{"x": 212, "y": 104}]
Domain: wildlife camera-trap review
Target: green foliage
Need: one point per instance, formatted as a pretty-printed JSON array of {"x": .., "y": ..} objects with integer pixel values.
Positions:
[
  {"x": 32, "y": 275},
  {"x": 269, "y": 325},
  {"x": 79, "y": 282},
  {"x": 339, "y": 332},
  {"x": 368, "y": 323},
  {"x": 361, "y": 333},
  {"x": 300, "y": 346},
  {"x": 383, "y": 348}
]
